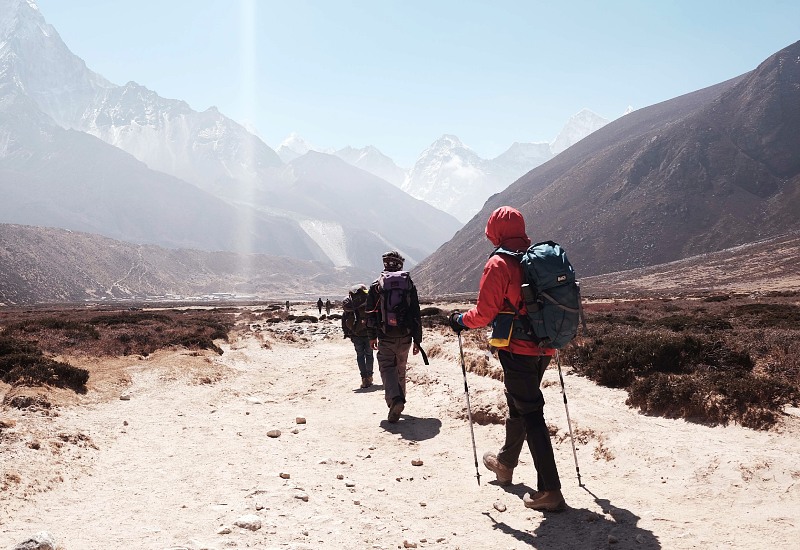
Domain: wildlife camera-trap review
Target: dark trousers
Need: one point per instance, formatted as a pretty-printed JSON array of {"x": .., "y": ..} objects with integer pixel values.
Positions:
[
  {"x": 363, "y": 355},
  {"x": 522, "y": 376}
]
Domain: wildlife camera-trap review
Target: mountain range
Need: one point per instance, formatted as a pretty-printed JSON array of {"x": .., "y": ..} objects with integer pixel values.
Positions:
[
  {"x": 448, "y": 174},
  {"x": 706, "y": 171},
  {"x": 81, "y": 153}
]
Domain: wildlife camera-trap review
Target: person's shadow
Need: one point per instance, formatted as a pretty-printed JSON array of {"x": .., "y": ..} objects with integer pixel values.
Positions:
[
  {"x": 372, "y": 388},
  {"x": 413, "y": 428},
  {"x": 583, "y": 529}
]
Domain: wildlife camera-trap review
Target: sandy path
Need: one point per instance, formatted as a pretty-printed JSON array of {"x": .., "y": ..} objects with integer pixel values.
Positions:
[{"x": 194, "y": 457}]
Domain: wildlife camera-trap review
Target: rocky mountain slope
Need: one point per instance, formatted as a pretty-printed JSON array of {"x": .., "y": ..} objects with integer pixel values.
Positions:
[
  {"x": 45, "y": 265},
  {"x": 702, "y": 172}
]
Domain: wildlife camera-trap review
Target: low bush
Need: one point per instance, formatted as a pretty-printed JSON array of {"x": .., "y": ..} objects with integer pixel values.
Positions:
[
  {"x": 22, "y": 364},
  {"x": 712, "y": 397}
]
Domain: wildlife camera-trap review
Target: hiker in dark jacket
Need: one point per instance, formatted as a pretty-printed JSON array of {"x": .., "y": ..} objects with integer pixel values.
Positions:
[
  {"x": 354, "y": 326},
  {"x": 523, "y": 361},
  {"x": 393, "y": 326},
  {"x": 319, "y": 305},
  {"x": 327, "y": 306}
]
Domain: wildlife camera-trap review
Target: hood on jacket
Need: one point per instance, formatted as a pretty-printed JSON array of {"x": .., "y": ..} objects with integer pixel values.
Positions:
[{"x": 506, "y": 228}]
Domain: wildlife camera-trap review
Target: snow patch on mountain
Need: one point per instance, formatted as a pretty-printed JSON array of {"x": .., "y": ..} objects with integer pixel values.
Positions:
[
  {"x": 577, "y": 127},
  {"x": 331, "y": 239}
]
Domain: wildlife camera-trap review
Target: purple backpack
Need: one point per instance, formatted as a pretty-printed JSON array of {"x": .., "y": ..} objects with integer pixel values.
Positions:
[{"x": 395, "y": 297}]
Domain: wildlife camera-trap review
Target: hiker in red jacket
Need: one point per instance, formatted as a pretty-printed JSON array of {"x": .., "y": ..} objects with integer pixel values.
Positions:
[{"x": 523, "y": 361}]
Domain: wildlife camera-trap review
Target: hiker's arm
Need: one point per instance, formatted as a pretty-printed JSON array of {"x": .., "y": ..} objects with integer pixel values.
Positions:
[
  {"x": 492, "y": 293},
  {"x": 416, "y": 329}
]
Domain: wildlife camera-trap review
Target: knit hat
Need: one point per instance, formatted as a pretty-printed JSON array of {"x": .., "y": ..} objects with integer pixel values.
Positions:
[{"x": 393, "y": 261}]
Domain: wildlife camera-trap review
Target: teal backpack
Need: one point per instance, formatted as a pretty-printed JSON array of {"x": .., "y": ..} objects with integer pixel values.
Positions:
[{"x": 551, "y": 293}]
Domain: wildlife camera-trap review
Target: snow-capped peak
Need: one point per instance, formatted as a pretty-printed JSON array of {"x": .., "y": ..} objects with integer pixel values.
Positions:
[{"x": 577, "y": 127}]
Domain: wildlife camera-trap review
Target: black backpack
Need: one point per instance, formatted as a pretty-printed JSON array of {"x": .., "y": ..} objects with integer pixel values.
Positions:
[
  {"x": 354, "y": 314},
  {"x": 551, "y": 293}
]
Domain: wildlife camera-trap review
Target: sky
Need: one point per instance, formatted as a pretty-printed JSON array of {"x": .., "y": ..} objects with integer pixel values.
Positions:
[{"x": 399, "y": 74}]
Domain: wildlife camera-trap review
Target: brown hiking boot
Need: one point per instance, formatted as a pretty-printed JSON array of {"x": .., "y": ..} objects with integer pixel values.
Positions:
[
  {"x": 395, "y": 410},
  {"x": 503, "y": 472},
  {"x": 545, "y": 501},
  {"x": 365, "y": 382}
]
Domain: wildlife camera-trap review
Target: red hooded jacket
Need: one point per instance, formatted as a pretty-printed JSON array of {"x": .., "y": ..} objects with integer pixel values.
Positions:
[{"x": 502, "y": 278}]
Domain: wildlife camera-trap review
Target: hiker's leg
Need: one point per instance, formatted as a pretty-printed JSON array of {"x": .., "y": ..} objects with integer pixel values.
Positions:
[
  {"x": 403, "y": 347},
  {"x": 387, "y": 365},
  {"x": 515, "y": 436},
  {"x": 361, "y": 345},
  {"x": 515, "y": 424},
  {"x": 522, "y": 375},
  {"x": 369, "y": 359}
]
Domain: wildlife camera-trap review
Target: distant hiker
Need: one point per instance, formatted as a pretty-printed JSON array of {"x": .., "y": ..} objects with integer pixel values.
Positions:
[
  {"x": 287, "y": 305},
  {"x": 523, "y": 361},
  {"x": 319, "y": 305},
  {"x": 393, "y": 323},
  {"x": 354, "y": 325},
  {"x": 327, "y": 307}
]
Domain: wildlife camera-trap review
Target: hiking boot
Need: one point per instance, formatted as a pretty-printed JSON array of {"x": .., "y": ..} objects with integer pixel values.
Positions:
[
  {"x": 545, "y": 501},
  {"x": 395, "y": 410},
  {"x": 503, "y": 472},
  {"x": 365, "y": 383},
  {"x": 369, "y": 380}
]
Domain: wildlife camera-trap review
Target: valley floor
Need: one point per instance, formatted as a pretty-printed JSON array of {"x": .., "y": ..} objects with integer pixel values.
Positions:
[{"x": 169, "y": 451}]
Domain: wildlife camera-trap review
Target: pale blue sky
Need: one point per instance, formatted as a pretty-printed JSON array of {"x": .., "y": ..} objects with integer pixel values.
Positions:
[{"x": 399, "y": 74}]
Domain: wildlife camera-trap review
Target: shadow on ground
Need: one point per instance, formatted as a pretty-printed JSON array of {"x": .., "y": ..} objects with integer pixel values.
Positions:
[
  {"x": 414, "y": 428},
  {"x": 580, "y": 528}
]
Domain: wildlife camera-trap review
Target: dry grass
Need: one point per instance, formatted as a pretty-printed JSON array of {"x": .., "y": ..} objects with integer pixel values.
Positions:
[{"x": 725, "y": 358}]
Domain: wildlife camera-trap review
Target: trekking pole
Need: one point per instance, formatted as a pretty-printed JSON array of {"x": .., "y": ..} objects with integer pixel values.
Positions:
[
  {"x": 469, "y": 410},
  {"x": 569, "y": 424}
]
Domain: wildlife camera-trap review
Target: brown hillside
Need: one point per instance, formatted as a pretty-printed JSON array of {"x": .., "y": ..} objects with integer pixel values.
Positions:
[{"x": 702, "y": 172}]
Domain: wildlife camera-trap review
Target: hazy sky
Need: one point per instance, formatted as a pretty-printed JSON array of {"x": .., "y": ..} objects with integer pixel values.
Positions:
[{"x": 399, "y": 74}]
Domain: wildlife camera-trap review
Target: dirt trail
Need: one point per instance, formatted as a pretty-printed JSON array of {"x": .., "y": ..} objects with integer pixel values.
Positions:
[{"x": 188, "y": 454}]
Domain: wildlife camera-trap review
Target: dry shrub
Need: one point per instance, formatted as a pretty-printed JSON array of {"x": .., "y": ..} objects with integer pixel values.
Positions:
[
  {"x": 434, "y": 351},
  {"x": 23, "y": 364},
  {"x": 769, "y": 315},
  {"x": 720, "y": 359},
  {"x": 712, "y": 397}
]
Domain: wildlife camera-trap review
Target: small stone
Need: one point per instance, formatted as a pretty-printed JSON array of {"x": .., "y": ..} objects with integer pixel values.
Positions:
[
  {"x": 124, "y": 422},
  {"x": 125, "y": 397},
  {"x": 305, "y": 533},
  {"x": 423, "y": 504},
  {"x": 300, "y": 420},
  {"x": 285, "y": 475},
  {"x": 416, "y": 462},
  {"x": 224, "y": 531},
  {"x": 339, "y": 476},
  {"x": 41, "y": 541},
  {"x": 274, "y": 433},
  {"x": 250, "y": 522},
  {"x": 640, "y": 539},
  {"x": 302, "y": 496},
  {"x": 357, "y": 502},
  {"x": 349, "y": 483},
  {"x": 441, "y": 539},
  {"x": 612, "y": 539},
  {"x": 408, "y": 544},
  {"x": 295, "y": 430},
  {"x": 499, "y": 506}
]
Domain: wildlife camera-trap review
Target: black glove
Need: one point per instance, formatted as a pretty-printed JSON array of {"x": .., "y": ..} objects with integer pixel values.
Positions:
[{"x": 454, "y": 324}]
